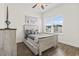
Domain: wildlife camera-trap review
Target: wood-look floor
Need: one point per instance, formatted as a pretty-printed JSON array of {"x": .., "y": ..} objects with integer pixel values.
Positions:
[{"x": 61, "y": 50}]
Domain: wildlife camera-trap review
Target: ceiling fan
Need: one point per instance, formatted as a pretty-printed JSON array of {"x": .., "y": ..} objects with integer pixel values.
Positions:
[{"x": 40, "y": 5}]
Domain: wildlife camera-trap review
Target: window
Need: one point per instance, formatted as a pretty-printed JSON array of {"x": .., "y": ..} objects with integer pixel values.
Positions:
[
  {"x": 48, "y": 28},
  {"x": 58, "y": 22},
  {"x": 53, "y": 24}
]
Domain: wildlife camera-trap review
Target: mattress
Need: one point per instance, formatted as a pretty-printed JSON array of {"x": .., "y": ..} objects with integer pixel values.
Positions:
[{"x": 41, "y": 35}]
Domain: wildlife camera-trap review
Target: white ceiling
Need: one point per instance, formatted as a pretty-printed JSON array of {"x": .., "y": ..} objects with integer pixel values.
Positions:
[
  {"x": 28, "y": 6},
  {"x": 50, "y": 6}
]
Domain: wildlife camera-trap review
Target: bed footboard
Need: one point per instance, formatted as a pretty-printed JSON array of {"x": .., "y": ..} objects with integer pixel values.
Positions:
[{"x": 47, "y": 42}]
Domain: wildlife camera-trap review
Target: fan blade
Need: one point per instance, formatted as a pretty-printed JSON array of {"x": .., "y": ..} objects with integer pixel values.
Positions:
[
  {"x": 34, "y": 6},
  {"x": 42, "y": 6}
]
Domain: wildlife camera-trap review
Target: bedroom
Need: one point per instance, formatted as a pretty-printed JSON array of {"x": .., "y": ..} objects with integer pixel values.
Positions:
[{"x": 67, "y": 12}]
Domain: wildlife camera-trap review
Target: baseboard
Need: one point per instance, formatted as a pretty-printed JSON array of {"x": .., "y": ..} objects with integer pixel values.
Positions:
[
  {"x": 67, "y": 43},
  {"x": 19, "y": 42}
]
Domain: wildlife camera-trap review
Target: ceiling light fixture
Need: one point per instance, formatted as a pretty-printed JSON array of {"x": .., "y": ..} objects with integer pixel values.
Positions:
[{"x": 40, "y": 5}]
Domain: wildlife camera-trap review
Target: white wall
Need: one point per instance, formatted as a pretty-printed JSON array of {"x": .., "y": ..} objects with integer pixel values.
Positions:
[
  {"x": 70, "y": 12},
  {"x": 17, "y": 13},
  {"x": 2, "y": 18}
]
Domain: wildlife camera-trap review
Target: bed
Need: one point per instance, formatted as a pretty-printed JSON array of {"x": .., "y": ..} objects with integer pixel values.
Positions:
[{"x": 39, "y": 42}]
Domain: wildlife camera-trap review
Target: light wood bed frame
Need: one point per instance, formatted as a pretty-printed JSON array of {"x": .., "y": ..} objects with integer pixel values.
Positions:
[{"x": 42, "y": 44}]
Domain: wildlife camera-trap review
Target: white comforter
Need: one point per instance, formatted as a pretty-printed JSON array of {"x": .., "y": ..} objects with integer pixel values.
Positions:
[{"x": 41, "y": 35}]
